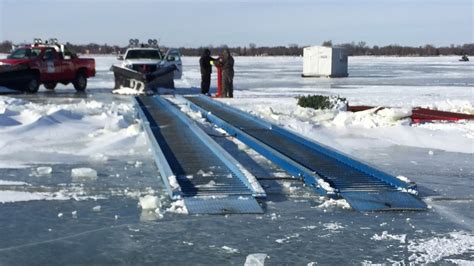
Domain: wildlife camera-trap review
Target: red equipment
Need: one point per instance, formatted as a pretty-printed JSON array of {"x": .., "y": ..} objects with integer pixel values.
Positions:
[
  {"x": 219, "y": 81},
  {"x": 421, "y": 115}
]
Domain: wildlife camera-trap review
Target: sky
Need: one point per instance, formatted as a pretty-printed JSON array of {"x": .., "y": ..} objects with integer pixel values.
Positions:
[{"x": 238, "y": 23}]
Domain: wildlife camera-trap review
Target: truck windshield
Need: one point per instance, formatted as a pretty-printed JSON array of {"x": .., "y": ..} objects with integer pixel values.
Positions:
[
  {"x": 24, "y": 53},
  {"x": 143, "y": 54}
]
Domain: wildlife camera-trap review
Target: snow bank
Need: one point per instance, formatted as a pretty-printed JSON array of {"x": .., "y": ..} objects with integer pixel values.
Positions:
[
  {"x": 347, "y": 131},
  {"x": 65, "y": 132},
  {"x": 456, "y": 106}
]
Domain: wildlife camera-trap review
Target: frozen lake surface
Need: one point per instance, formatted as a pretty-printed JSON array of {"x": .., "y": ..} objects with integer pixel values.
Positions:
[{"x": 51, "y": 213}]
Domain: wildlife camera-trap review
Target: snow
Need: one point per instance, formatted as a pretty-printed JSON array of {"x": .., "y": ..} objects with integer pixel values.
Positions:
[
  {"x": 432, "y": 250},
  {"x": 127, "y": 91}
]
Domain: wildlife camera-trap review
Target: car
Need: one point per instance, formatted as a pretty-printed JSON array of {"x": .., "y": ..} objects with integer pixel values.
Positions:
[{"x": 48, "y": 63}]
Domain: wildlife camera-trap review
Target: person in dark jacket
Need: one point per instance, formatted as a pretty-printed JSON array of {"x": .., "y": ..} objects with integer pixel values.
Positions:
[
  {"x": 206, "y": 70},
  {"x": 227, "y": 64}
]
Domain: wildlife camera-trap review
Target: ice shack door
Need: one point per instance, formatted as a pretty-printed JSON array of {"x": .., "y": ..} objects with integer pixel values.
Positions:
[{"x": 173, "y": 56}]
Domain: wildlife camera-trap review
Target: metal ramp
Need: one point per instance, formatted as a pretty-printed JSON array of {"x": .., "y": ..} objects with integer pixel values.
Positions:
[
  {"x": 328, "y": 171},
  {"x": 193, "y": 167}
]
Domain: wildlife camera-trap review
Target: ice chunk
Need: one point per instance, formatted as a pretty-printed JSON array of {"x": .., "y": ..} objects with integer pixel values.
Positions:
[
  {"x": 44, "y": 170},
  {"x": 150, "y": 202},
  {"x": 230, "y": 250},
  {"x": 99, "y": 157},
  {"x": 332, "y": 203},
  {"x": 333, "y": 226},
  {"x": 255, "y": 259},
  {"x": 96, "y": 208},
  {"x": 178, "y": 207},
  {"x": 325, "y": 185},
  {"x": 386, "y": 236},
  {"x": 150, "y": 215},
  {"x": 12, "y": 183},
  {"x": 403, "y": 178},
  {"x": 83, "y": 174}
]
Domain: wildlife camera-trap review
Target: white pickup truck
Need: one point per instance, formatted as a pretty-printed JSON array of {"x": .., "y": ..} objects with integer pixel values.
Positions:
[
  {"x": 148, "y": 59},
  {"x": 145, "y": 68}
]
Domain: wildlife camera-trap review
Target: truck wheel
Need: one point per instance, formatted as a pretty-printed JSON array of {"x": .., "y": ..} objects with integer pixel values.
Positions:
[
  {"x": 33, "y": 85},
  {"x": 80, "y": 83},
  {"x": 50, "y": 85}
]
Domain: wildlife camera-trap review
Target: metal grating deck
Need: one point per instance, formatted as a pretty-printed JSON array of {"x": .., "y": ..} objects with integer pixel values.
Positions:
[
  {"x": 365, "y": 188},
  {"x": 201, "y": 173}
]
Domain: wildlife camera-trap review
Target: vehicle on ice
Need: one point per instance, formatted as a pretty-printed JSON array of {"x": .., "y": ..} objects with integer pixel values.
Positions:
[
  {"x": 146, "y": 67},
  {"x": 49, "y": 63}
]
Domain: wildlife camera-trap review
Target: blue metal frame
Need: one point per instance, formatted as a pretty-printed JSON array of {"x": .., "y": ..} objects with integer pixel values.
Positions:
[
  {"x": 160, "y": 159},
  {"x": 227, "y": 159},
  {"x": 294, "y": 168},
  {"x": 309, "y": 177}
]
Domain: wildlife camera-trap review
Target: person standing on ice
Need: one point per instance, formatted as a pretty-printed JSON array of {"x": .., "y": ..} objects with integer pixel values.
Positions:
[
  {"x": 206, "y": 70},
  {"x": 227, "y": 64}
]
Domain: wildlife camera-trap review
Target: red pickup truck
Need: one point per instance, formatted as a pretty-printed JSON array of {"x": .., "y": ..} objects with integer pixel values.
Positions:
[{"x": 27, "y": 67}]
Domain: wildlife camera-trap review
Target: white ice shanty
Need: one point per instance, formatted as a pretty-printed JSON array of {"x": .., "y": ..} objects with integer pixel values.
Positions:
[{"x": 321, "y": 61}]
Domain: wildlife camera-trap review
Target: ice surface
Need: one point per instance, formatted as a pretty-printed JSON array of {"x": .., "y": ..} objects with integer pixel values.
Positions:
[
  {"x": 99, "y": 130},
  {"x": 84, "y": 174}
]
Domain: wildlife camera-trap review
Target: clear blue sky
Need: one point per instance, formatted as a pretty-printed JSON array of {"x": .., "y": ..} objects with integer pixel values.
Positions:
[{"x": 263, "y": 22}]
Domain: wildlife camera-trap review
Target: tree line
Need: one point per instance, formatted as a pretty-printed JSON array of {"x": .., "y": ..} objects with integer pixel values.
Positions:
[{"x": 353, "y": 49}]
